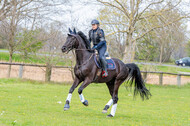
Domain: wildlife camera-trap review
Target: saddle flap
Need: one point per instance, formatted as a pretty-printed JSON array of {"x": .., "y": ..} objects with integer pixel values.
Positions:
[{"x": 110, "y": 63}]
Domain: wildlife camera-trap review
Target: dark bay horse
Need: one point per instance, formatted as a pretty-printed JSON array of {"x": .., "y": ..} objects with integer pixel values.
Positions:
[{"x": 86, "y": 71}]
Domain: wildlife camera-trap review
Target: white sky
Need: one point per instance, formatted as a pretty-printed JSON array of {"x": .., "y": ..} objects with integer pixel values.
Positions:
[
  {"x": 80, "y": 15},
  {"x": 83, "y": 14}
]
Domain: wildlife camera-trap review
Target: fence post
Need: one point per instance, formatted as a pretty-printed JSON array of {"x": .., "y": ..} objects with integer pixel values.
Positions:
[
  {"x": 145, "y": 76},
  {"x": 160, "y": 78},
  {"x": 178, "y": 79},
  {"x": 20, "y": 71}
]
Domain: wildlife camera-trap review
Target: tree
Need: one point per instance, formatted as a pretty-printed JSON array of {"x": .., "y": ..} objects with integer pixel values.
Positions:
[
  {"x": 188, "y": 48},
  {"x": 147, "y": 48},
  {"x": 132, "y": 13},
  {"x": 5, "y": 8},
  {"x": 24, "y": 14},
  {"x": 50, "y": 53},
  {"x": 165, "y": 40},
  {"x": 30, "y": 43},
  {"x": 10, "y": 27}
]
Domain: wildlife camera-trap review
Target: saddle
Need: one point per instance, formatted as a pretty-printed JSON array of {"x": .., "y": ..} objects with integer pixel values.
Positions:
[{"x": 110, "y": 62}]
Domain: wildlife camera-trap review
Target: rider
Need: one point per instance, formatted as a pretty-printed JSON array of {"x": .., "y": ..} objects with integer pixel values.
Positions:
[{"x": 96, "y": 35}]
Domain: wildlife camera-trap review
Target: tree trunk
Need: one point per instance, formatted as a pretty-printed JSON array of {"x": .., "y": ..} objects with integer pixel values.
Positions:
[
  {"x": 10, "y": 61},
  {"x": 161, "y": 53},
  {"x": 129, "y": 52},
  {"x": 133, "y": 51},
  {"x": 48, "y": 72},
  {"x": 25, "y": 54}
]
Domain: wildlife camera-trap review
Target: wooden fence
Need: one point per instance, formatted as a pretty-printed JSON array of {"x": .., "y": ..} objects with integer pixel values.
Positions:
[
  {"x": 21, "y": 67},
  {"x": 145, "y": 73},
  {"x": 161, "y": 76}
]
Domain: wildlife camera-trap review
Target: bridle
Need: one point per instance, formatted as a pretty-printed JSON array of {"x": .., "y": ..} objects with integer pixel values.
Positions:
[{"x": 73, "y": 47}]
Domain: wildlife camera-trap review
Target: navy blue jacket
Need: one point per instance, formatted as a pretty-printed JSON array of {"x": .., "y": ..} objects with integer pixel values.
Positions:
[{"x": 97, "y": 37}]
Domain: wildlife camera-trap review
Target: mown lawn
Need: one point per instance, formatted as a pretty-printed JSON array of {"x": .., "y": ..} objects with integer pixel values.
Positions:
[
  {"x": 31, "y": 59},
  {"x": 169, "y": 69},
  {"x": 18, "y": 58},
  {"x": 30, "y": 103}
]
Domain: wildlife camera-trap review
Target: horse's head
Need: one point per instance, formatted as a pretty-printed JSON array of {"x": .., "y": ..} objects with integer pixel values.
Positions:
[{"x": 71, "y": 41}]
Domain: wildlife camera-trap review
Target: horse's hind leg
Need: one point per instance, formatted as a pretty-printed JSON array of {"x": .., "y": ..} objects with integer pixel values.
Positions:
[
  {"x": 68, "y": 100},
  {"x": 115, "y": 97},
  {"x": 110, "y": 86}
]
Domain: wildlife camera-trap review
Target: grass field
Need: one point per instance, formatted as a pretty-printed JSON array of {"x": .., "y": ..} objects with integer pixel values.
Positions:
[
  {"x": 169, "y": 69},
  {"x": 30, "y": 103},
  {"x": 32, "y": 60},
  {"x": 18, "y": 58}
]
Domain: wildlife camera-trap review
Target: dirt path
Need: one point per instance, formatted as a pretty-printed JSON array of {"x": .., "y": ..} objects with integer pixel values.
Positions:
[
  {"x": 64, "y": 75},
  {"x": 167, "y": 79},
  {"x": 37, "y": 73}
]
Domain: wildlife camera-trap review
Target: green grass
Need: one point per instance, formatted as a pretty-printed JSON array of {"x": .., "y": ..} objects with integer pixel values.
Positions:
[
  {"x": 4, "y": 49},
  {"x": 172, "y": 69},
  {"x": 19, "y": 58},
  {"x": 33, "y": 103},
  {"x": 171, "y": 62},
  {"x": 169, "y": 69}
]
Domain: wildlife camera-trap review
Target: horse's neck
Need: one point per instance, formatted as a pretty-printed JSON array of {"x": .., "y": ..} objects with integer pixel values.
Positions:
[{"x": 82, "y": 54}]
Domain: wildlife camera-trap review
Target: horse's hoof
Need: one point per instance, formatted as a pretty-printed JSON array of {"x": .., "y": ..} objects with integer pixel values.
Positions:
[
  {"x": 104, "y": 111},
  {"x": 66, "y": 107},
  {"x": 85, "y": 103},
  {"x": 109, "y": 115}
]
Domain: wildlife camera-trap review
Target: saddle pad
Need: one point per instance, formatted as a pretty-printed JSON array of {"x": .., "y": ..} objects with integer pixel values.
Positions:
[{"x": 110, "y": 64}]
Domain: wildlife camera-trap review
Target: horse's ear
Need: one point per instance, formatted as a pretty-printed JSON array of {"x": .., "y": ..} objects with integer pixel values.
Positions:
[
  {"x": 74, "y": 30},
  {"x": 70, "y": 31}
]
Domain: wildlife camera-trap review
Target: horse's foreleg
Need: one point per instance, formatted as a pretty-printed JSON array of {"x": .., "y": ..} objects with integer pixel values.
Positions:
[
  {"x": 68, "y": 100},
  {"x": 84, "y": 85}
]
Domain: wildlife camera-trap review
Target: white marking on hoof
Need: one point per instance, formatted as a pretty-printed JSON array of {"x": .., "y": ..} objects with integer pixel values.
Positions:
[
  {"x": 81, "y": 98},
  {"x": 69, "y": 97},
  {"x": 113, "y": 109},
  {"x": 110, "y": 102}
]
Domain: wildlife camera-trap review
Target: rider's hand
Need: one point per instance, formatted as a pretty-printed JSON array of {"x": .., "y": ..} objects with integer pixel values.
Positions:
[{"x": 95, "y": 47}]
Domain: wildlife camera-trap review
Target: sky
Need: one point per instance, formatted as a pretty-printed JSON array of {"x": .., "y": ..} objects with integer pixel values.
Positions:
[{"x": 82, "y": 14}]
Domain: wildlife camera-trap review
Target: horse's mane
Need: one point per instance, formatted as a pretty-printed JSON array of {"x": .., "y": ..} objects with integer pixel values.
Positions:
[{"x": 86, "y": 41}]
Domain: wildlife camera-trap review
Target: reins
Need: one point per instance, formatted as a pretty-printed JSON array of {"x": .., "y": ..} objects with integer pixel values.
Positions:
[
  {"x": 81, "y": 50},
  {"x": 86, "y": 60}
]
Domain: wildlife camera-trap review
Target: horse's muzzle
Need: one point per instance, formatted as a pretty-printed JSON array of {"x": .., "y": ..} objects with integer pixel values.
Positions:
[{"x": 64, "y": 49}]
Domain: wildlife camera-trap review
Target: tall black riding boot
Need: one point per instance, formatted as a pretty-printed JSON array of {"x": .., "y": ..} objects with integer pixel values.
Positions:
[{"x": 104, "y": 67}]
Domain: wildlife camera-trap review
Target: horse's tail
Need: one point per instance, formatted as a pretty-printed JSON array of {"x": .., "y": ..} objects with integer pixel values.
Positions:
[{"x": 135, "y": 76}]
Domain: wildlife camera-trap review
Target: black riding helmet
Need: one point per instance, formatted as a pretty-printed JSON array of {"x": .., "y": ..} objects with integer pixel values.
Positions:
[{"x": 95, "y": 22}]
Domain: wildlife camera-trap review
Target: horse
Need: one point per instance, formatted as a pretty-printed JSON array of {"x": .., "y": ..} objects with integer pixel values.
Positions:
[{"x": 86, "y": 71}]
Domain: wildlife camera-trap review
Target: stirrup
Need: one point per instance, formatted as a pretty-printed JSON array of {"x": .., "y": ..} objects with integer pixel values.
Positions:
[{"x": 104, "y": 74}]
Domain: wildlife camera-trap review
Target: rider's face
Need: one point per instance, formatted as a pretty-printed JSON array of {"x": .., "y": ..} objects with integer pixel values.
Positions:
[{"x": 94, "y": 26}]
